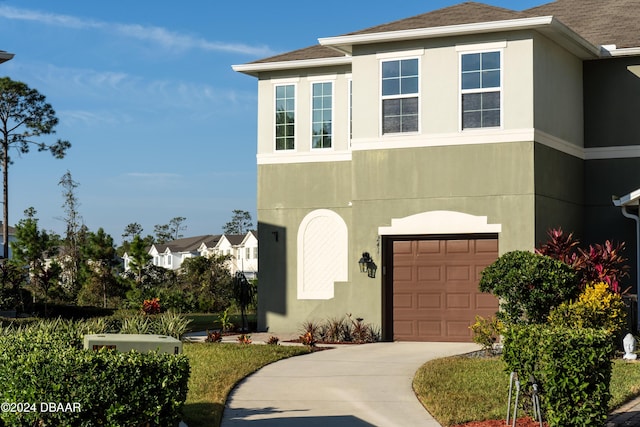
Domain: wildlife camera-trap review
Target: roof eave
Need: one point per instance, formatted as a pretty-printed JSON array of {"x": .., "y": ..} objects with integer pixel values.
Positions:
[
  {"x": 5, "y": 56},
  {"x": 629, "y": 51},
  {"x": 545, "y": 24},
  {"x": 255, "y": 68}
]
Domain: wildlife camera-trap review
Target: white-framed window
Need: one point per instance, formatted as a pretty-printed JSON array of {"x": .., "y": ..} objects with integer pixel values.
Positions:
[
  {"x": 285, "y": 115},
  {"x": 247, "y": 253},
  {"x": 481, "y": 89},
  {"x": 168, "y": 259},
  {"x": 321, "y": 114},
  {"x": 400, "y": 95},
  {"x": 255, "y": 252}
]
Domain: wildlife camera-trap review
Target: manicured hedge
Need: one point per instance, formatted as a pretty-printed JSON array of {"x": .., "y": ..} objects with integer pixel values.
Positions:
[
  {"x": 572, "y": 366},
  {"x": 110, "y": 388}
]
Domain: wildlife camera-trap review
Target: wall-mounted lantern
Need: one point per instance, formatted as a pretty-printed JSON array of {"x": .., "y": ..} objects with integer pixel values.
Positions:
[{"x": 367, "y": 265}]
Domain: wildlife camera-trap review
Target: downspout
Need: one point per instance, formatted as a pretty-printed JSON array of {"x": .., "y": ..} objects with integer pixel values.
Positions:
[{"x": 636, "y": 218}]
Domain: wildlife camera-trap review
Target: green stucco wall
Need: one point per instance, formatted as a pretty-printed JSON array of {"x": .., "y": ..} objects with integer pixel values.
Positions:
[
  {"x": 493, "y": 180},
  {"x": 612, "y": 103},
  {"x": 559, "y": 183}
]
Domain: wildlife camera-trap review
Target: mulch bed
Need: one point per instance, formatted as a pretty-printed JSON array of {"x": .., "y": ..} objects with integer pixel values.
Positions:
[{"x": 520, "y": 422}]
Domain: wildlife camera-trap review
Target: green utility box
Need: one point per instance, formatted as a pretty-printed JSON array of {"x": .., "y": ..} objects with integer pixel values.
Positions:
[{"x": 139, "y": 342}]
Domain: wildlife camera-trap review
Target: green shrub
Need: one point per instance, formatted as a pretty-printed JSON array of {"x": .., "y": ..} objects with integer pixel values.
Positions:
[
  {"x": 597, "y": 307},
  {"x": 111, "y": 388},
  {"x": 486, "y": 331},
  {"x": 529, "y": 285},
  {"x": 573, "y": 367}
]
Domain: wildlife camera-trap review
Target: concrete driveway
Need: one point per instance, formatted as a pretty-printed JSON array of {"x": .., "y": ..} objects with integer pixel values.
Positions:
[{"x": 350, "y": 385}]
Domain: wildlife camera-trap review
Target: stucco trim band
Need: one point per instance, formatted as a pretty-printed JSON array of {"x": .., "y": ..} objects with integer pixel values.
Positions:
[{"x": 439, "y": 222}]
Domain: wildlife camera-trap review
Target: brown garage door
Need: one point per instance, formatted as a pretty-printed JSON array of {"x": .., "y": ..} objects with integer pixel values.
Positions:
[{"x": 435, "y": 288}]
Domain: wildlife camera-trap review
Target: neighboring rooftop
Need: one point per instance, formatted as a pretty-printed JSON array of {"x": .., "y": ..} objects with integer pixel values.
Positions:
[{"x": 188, "y": 244}]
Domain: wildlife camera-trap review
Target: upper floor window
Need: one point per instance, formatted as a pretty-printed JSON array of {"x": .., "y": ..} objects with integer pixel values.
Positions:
[
  {"x": 481, "y": 84},
  {"x": 322, "y": 112},
  {"x": 285, "y": 117},
  {"x": 400, "y": 96}
]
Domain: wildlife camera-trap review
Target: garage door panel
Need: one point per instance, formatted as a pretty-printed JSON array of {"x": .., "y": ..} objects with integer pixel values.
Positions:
[
  {"x": 403, "y": 301},
  {"x": 428, "y": 247},
  {"x": 435, "y": 288},
  {"x": 403, "y": 327},
  {"x": 430, "y": 328},
  {"x": 459, "y": 330},
  {"x": 430, "y": 301},
  {"x": 489, "y": 246},
  {"x": 403, "y": 274},
  {"x": 402, "y": 247},
  {"x": 457, "y": 246},
  {"x": 431, "y": 273},
  {"x": 458, "y": 301},
  {"x": 458, "y": 272}
]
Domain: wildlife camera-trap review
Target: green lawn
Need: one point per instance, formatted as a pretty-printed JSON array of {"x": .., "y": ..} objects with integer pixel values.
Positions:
[
  {"x": 457, "y": 390},
  {"x": 209, "y": 321},
  {"x": 216, "y": 368}
]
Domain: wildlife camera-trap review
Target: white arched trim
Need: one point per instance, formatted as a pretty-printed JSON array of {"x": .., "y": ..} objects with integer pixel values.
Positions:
[
  {"x": 439, "y": 222},
  {"x": 323, "y": 254}
]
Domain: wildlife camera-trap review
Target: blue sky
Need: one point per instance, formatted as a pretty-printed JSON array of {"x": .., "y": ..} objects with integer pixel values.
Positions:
[{"x": 160, "y": 125}]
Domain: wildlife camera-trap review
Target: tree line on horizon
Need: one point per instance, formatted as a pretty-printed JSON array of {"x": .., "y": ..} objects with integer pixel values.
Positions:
[{"x": 83, "y": 267}]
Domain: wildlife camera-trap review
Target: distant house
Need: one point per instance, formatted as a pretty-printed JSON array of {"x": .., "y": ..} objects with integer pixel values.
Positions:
[
  {"x": 171, "y": 255},
  {"x": 242, "y": 249},
  {"x": 12, "y": 231}
]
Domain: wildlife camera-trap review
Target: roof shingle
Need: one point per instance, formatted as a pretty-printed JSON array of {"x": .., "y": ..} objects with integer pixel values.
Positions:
[{"x": 601, "y": 22}]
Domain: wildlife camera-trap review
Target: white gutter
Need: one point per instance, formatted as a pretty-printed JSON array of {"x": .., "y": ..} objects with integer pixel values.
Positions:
[
  {"x": 545, "y": 23},
  {"x": 623, "y": 203},
  {"x": 628, "y": 51},
  {"x": 256, "y": 67}
]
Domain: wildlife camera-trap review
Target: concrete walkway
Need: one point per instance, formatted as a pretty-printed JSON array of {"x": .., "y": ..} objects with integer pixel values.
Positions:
[
  {"x": 628, "y": 415},
  {"x": 348, "y": 386}
]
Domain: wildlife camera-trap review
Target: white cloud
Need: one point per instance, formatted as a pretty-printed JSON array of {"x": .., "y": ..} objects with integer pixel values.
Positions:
[{"x": 161, "y": 36}]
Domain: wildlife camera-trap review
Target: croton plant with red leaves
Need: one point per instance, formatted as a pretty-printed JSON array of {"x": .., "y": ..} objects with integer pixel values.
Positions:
[{"x": 597, "y": 263}]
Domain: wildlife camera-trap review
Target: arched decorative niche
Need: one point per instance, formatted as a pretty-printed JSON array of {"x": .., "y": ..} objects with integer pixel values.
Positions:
[{"x": 322, "y": 254}]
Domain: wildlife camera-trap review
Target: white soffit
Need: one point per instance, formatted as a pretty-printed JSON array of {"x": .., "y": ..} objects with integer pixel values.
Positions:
[{"x": 439, "y": 222}]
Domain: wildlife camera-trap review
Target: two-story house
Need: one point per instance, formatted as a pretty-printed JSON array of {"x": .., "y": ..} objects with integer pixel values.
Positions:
[
  {"x": 172, "y": 254},
  {"x": 242, "y": 250},
  {"x": 434, "y": 144}
]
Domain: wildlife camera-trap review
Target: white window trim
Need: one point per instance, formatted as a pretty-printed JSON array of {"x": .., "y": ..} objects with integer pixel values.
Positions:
[
  {"x": 279, "y": 83},
  {"x": 333, "y": 109},
  {"x": 349, "y": 111},
  {"x": 388, "y": 57},
  {"x": 462, "y": 52}
]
